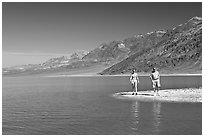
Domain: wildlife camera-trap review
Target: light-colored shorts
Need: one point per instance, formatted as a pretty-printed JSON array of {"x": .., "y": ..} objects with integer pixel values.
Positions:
[
  {"x": 156, "y": 83},
  {"x": 134, "y": 83}
]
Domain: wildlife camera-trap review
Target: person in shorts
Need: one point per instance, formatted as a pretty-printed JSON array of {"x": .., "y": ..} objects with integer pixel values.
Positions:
[
  {"x": 134, "y": 79},
  {"x": 155, "y": 77}
]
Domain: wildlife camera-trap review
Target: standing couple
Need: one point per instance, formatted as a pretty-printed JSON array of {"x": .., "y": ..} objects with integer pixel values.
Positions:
[{"x": 155, "y": 77}]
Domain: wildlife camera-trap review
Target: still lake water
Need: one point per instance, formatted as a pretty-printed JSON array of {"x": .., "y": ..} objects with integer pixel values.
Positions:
[{"x": 85, "y": 105}]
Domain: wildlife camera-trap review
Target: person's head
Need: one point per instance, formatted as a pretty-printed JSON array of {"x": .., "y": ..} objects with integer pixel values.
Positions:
[
  {"x": 133, "y": 70},
  {"x": 153, "y": 69}
]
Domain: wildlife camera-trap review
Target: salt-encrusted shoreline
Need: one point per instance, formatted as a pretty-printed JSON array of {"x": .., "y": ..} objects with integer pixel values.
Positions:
[{"x": 167, "y": 95}]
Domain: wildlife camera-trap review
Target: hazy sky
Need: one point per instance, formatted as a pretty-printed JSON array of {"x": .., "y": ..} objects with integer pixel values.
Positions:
[{"x": 35, "y": 32}]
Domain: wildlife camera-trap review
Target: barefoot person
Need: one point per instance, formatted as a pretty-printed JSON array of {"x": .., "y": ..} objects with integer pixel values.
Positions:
[
  {"x": 134, "y": 79},
  {"x": 155, "y": 77}
]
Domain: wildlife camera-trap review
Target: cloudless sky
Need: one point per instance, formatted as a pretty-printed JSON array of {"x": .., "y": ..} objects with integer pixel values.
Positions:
[{"x": 35, "y": 32}]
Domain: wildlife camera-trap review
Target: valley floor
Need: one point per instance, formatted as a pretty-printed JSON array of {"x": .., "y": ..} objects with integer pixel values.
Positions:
[{"x": 94, "y": 71}]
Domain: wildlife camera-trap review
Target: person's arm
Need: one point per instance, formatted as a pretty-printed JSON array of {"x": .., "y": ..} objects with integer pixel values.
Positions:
[
  {"x": 151, "y": 77},
  {"x": 131, "y": 78},
  {"x": 138, "y": 78}
]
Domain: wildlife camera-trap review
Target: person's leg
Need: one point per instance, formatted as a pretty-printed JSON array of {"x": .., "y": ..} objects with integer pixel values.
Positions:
[
  {"x": 154, "y": 87},
  {"x": 157, "y": 91},
  {"x": 135, "y": 88},
  {"x": 158, "y": 86}
]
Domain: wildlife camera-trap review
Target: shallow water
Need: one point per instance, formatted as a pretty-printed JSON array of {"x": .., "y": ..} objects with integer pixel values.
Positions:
[{"x": 85, "y": 105}]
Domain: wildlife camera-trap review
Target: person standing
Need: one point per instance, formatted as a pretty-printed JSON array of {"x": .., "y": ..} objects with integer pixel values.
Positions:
[
  {"x": 155, "y": 77},
  {"x": 134, "y": 79}
]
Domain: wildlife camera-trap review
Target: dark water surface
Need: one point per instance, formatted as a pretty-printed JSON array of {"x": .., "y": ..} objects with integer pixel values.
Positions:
[{"x": 84, "y": 105}]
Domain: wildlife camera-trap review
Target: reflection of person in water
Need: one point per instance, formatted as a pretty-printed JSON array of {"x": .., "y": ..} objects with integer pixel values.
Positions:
[
  {"x": 143, "y": 113},
  {"x": 135, "y": 119},
  {"x": 157, "y": 115}
]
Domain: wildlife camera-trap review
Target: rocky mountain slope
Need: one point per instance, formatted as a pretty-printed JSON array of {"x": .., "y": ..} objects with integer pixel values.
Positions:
[
  {"x": 175, "y": 49},
  {"x": 180, "y": 48}
]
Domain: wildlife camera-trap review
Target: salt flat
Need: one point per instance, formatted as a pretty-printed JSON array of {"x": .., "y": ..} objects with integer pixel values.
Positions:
[{"x": 167, "y": 95}]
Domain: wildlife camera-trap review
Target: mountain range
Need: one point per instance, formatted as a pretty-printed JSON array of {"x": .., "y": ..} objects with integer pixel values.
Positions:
[{"x": 175, "y": 50}]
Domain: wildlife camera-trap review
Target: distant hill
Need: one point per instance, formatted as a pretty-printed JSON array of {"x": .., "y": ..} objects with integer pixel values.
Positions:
[
  {"x": 174, "y": 50},
  {"x": 52, "y": 65}
]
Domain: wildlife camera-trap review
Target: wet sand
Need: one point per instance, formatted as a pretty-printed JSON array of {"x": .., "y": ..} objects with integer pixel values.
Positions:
[{"x": 167, "y": 95}]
